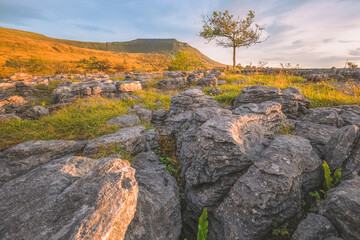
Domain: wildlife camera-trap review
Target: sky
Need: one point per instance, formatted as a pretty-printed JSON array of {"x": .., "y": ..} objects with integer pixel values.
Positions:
[{"x": 311, "y": 33}]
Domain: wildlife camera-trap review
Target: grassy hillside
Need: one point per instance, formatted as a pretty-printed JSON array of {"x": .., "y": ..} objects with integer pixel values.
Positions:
[{"x": 61, "y": 54}]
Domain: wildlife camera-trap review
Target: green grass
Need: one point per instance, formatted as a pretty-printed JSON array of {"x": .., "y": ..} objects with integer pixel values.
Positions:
[
  {"x": 321, "y": 94},
  {"x": 82, "y": 119},
  {"x": 118, "y": 78}
]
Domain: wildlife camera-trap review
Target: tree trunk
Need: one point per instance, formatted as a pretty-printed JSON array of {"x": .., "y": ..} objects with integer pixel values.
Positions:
[{"x": 234, "y": 58}]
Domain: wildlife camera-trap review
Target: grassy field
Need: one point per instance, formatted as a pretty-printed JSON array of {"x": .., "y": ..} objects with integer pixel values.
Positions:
[
  {"x": 41, "y": 55},
  {"x": 85, "y": 119},
  {"x": 321, "y": 94}
]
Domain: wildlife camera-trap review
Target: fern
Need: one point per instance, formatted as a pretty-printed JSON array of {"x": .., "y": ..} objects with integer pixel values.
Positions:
[
  {"x": 328, "y": 179},
  {"x": 203, "y": 226}
]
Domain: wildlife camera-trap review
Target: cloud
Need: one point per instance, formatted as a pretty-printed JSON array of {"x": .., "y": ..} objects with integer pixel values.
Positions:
[
  {"x": 12, "y": 13},
  {"x": 355, "y": 52},
  {"x": 93, "y": 28}
]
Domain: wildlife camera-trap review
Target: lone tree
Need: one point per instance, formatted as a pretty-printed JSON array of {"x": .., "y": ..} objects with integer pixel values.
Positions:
[{"x": 231, "y": 32}]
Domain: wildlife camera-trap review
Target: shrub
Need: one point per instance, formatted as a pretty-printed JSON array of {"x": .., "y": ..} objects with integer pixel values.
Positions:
[{"x": 185, "y": 61}]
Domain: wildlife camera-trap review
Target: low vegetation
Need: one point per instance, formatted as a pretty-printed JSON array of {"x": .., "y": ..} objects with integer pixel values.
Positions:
[
  {"x": 321, "y": 94},
  {"x": 82, "y": 119}
]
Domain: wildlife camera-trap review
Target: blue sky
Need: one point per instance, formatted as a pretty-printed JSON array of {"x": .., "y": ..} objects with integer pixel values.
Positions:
[{"x": 312, "y": 33}]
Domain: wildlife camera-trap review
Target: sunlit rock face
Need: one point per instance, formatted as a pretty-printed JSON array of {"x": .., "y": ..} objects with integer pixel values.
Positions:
[{"x": 70, "y": 198}]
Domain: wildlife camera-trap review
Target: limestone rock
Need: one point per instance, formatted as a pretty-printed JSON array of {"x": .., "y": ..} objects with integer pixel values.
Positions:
[
  {"x": 130, "y": 139},
  {"x": 342, "y": 208},
  {"x": 172, "y": 83},
  {"x": 20, "y": 77},
  {"x": 36, "y": 112},
  {"x": 22, "y": 158},
  {"x": 70, "y": 198},
  {"x": 208, "y": 81},
  {"x": 339, "y": 147},
  {"x": 327, "y": 116},
  {"x": 128, "y": 86},
  {"x": 271, "y": 190},
  {"x": 124, "y": 121},
  {"x": 158, "y": 213},
  {"x": 314, "y": 227},
  {"x": 318, "y": 134},
  {"x": 293, "y": 103}
]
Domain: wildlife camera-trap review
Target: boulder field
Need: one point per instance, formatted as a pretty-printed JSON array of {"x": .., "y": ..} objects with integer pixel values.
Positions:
[{"x": 237, "y": 162}]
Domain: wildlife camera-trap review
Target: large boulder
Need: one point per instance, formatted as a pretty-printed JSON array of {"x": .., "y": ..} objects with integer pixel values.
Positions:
[
  {"x": 314, "y": 227},
  {"x": 342, "y": 208},
  {"x": 350, "y": 114},
  {"x": 172, "y": 83},
  {"x": 318, "y": 134},
  {"x": 22, "y": 158},
  {"x": 158, "y": 212},
  {"x": 271, "y": 190},
  {"x": 293, "y": 103},
  {"x": 130, "y": 139},
  {"x": 323, "y": 115},
  {"x": 70, "y": 198},
  {"x": 340, "y": 145}
]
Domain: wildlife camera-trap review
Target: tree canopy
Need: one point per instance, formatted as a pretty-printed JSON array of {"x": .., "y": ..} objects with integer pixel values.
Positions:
[{"x": 231, "y": 32}]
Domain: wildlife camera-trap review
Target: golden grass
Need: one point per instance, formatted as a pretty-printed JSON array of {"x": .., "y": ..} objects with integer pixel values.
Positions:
[{"x": 321, "y": 94}]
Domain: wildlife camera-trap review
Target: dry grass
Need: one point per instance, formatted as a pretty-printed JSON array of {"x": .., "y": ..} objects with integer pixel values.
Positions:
[{"x": 321, "y": 94}]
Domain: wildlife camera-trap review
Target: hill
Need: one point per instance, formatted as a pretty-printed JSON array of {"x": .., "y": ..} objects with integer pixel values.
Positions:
[{"x": 61, "y": 54}]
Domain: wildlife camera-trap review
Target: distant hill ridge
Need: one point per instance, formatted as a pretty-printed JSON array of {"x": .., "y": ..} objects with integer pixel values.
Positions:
[{"x": 166, "y": 46}]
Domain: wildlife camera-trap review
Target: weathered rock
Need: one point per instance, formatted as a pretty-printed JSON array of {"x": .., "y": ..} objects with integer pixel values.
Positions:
[
  {"x": 36, "y": 112},
  {"x": 318, "y": 134},
  {"x": 124, "y": 121},
  {"x": 8, "y": 117},
  {"x": 314, "y": 227},
  {"x": 130, "y": 139},
  {"x": 215, "y": 91},
  {"x": 145, "y": 115},
  {"x": 128, "y": 86},
  {"x": 70, "y": 198},
  {"x": 214, "y": 155},
  {"x": 158, "y": 213},
  {"x": 342, "y": 208},
  {"x": 351, "y": 166},
  {"x": 158, "y": 117},
  {"x": 271, "y": 190},
  {"x": 20, "y": 77},
  {"x": 193, "y": 77},
  {"x": 293, "y": 103},
  {"x": 208, "y": 81},
  {"x": 22, "y": 158},
  {"x": 13, "y": 104},
  {"x": 339, "y": 147},
  {"x": 350, "y": 114},
  {"x": 316, "y": 77},
  {"x": 172, "y": 83},
  {"x": 327, "y": 116}
]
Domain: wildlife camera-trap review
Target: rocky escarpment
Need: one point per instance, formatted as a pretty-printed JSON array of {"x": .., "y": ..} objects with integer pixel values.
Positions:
[{"x": 236, "y": 162}]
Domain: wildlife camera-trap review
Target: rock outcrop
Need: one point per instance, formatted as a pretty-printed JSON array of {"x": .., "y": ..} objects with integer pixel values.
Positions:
[
  {"x": 158, "y": 212},
  {"x": 70, "y": 198},
  {"x": 293, "y": 103}
]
